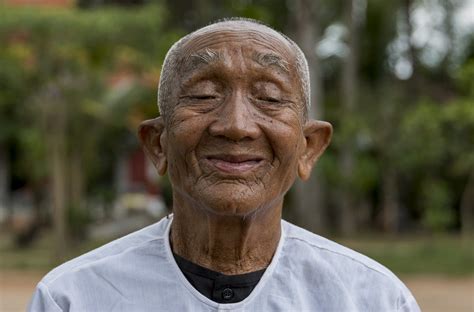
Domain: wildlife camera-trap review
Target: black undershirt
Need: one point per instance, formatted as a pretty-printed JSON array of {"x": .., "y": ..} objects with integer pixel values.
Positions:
[{"x": 216, "y": 286}]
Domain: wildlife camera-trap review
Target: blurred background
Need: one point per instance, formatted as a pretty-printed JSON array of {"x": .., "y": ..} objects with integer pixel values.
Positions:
[{"x": 395, "y": 78}]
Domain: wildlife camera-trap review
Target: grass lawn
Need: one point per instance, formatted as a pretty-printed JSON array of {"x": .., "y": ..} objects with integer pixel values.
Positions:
[
  {"x": 40, "y": 255},
  {"x": 444, "y": 255}
]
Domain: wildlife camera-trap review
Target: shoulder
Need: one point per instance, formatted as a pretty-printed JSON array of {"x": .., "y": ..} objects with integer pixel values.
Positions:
[
  {"x": 107, "y": 254},
  {"x": 100, "y": 278},
  {"x": 338, "y": 267},
  {"x": 303, "y": 239}
]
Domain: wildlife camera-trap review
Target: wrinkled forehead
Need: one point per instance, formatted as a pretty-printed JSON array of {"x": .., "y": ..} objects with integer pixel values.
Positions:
[{"x": 249, "y": 34}]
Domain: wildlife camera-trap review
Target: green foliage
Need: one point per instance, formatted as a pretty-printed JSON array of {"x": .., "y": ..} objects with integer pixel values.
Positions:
[
  {"x": 435, "y": 145},
  {"x": 431, "y": 133},
  {"x": 78, "y": 219},
  {"x": 458, "y": 124},
  {"x": 437, "y": 201},
  {"x": 44, "y": 46},
  {"x": 465, "y": 78},
  {"x": 421, "y": 140},
  {"x": 365, "y": 174},
  {"x": 29, "y": 140},
  {"x": 94, "y": 72}
]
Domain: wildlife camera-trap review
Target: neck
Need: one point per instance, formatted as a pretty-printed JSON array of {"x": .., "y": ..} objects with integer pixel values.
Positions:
[{"x": 227, "y": 244}]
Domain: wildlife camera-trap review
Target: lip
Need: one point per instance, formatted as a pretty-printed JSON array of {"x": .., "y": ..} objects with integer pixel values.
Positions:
[{"x": 234, "y": 164}]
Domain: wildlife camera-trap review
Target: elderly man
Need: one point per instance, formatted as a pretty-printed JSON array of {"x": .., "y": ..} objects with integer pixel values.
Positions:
[{"x": 233, "y": 136}]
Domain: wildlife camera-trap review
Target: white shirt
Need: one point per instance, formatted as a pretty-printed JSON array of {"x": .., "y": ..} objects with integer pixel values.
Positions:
[{"x": 138, "y": 273}]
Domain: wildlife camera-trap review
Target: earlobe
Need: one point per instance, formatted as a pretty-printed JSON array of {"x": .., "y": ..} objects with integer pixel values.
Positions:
[
  {"x": 152, "y": 134},
  {"x": 317, "y": 137}
]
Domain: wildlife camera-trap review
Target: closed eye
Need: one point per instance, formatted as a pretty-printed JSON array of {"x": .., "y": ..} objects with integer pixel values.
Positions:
[
  {"x": 269, "y": 99},
  {"x": 202, "y": 97}
]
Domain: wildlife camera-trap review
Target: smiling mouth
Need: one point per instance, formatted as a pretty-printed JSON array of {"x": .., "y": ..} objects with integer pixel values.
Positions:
[{"x": 234, "y": 163}]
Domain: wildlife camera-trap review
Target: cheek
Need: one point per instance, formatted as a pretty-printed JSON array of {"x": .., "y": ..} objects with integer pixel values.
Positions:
[
  {"x": 187, "y": 122},
  {"x": 286, "y": 139},
  {"x": 175, "y": 167},
  {"x": 186, "y": 130},
  {"x": 184, "y": 135}
]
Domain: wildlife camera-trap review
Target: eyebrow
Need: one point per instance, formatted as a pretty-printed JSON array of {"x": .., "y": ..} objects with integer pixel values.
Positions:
[
  {"x": 270, "y": 59},
  {"x": 204, "y": 57}
]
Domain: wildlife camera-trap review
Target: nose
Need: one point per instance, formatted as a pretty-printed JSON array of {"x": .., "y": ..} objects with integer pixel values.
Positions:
[{"x": 236, "y": 120}]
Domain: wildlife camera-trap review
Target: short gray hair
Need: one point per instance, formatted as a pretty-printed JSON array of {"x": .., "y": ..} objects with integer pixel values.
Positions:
[{"x": 173, "y": 59}]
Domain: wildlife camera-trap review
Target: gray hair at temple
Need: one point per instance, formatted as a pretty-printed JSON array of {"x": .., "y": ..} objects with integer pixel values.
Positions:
[{"x": 173, "y": 59}]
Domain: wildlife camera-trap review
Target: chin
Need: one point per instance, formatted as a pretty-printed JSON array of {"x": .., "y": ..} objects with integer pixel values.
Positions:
[{"x": 231, "y": 200}]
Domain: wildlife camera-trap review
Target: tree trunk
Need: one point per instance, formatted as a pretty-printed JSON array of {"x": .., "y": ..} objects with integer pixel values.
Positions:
[
  {"x": 4, "y": 178},
  {"x": 309, "y": 204},
  {"x": 77, "y": 226},
  {"x": 390, "y": 201},
  {"x": 467, "y": 207},
  {"x": 414, "y": 84},
  {"x": 58, "y": 162},
  {"x": 56, "y": 133},
  {"x": 347, "y": 202},
  {"x": 77, "y": 180}
]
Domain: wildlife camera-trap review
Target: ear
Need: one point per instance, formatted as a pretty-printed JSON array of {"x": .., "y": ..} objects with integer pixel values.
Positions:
[
  {"x": 317, "y": 135},
  {"x": 152, "y": 134}
]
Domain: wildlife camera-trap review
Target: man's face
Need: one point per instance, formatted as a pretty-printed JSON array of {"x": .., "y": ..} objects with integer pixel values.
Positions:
[{"x": 235, "y": 135}]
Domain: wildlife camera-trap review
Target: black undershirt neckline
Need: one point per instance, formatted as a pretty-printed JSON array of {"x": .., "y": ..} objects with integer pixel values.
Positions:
[{"x": 216, "y": 286}]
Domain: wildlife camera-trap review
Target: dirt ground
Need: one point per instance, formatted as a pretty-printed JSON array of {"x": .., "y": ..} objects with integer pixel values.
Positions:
[
  {"x": 442, "y": 294},
  {"x": 433, "y": 293}
]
